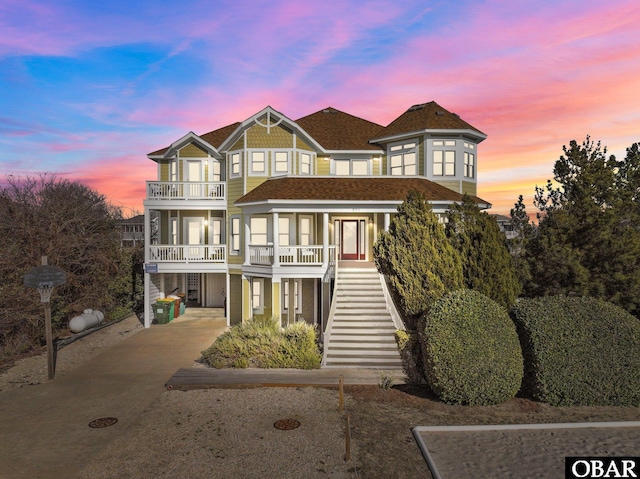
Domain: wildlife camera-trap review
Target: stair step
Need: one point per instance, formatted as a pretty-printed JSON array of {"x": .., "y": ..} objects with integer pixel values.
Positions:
[
  {"x": 363, "y": 353},
  {"x": 370, "y": 345},
  {"x": 356, "y": 360},
  {"x": 367, "y": 331}
]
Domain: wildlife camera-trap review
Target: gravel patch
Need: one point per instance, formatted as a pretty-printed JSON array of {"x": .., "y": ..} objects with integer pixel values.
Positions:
[
  {"x": 230, "y": 433},
  {"x": 32, "y": 371}
]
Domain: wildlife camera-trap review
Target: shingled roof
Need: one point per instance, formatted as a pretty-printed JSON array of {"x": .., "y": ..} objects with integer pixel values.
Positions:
[
  {"x": 426, "y": 116},
  {"x": 214, "y": 138},
  {"x": 337, "y": 130},
  {"x": 381, "y": 188}
]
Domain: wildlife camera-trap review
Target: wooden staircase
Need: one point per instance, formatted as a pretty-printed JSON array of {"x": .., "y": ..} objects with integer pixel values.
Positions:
[{"x": 360, "y": 332}]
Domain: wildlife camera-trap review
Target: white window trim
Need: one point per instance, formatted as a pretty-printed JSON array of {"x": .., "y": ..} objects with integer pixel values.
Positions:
[
  {"x": 311, "y": 232},
  {"x": 235, "y": 234},
  {"x": 252, "y": 228},
  {"x": 274, "y": 162},
  {"x": 297, "y": 296},
  {"x": 443, "y": 146},
  {"x": 311, "y": 157},
  {"x": 260, "y": 307},
  {"x": 265, "y": 162},
  {"x": 230, "y": 158},
  {"x": 403, "y": 149},
  {"x": 351, "y": 160}
]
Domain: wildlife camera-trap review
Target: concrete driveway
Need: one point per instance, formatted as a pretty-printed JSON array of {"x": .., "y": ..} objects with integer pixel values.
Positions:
[{"x": 44, "y": 430}]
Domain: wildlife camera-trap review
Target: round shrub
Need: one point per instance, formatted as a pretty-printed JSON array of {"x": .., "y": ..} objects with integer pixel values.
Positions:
[
  {"x": 471, "y": 351},
  {"x": 579, "y": 351}
]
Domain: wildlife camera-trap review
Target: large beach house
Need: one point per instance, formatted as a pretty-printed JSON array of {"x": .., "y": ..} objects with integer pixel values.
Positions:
[{"x": 277, "y": 217}]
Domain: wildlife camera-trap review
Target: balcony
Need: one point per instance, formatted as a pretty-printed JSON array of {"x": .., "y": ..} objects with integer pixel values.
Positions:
[
  {"x": 309, "y": 255},
  {"x": 186, "y": 190},
  {"x": 188, "y": 253}
]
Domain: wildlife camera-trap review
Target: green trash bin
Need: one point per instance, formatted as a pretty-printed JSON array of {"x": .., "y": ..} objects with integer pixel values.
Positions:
[{"x": 163, "y": 311}]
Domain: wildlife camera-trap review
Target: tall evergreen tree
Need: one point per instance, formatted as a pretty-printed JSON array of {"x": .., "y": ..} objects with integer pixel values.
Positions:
[
  {"x": 587, "y": 241},
  {"x": 418, "y": 260},
  {"x": 486, "y": 263}
]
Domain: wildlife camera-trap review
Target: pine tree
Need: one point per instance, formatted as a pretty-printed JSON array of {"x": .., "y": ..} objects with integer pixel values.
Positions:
[
  {"x": 486, "y": 263},
  {"x": 415, "y": 255}
]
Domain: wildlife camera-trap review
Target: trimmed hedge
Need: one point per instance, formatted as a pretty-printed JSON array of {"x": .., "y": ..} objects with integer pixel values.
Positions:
[
  {"x": 263, "y": 344},
  {"x": 471, "y": 351},
  {"x": 579, "y": 351}
]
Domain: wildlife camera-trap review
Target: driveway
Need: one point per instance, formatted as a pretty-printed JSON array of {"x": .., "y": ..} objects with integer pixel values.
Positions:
[{"x": 44, "y": 429}]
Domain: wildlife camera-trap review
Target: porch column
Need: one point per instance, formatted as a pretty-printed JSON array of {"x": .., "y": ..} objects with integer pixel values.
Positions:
[
  {"x": 387, "y": 217},
  {"x": 247, "y": 238},
  {"x": 276, "y": 308},
  {"x": 147, "y": 278},
  {"x": 276, "y": 240},
  {"x": 325, "y": 239}
]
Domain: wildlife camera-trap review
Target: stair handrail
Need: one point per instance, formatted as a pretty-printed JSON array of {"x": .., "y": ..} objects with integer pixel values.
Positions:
[
  {"x": 332, "y": 311},
  {"x": 391, "y": 306}
]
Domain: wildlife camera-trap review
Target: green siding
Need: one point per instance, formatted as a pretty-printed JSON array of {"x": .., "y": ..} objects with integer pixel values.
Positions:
[
  {"x": 323, "y": 167},
  {"x": 238, "y": 145},
  {"x": 451, "y": 184},
  {"x": 164, "y": 171},
  {"x": 275, "y": 137},
  {"x": 308, "y": 306},
  {"x": 302, "y": 145},
  {"x": 255, "y": 181},
  {"x": 470, "y": 188},
  {"x": 192, "y": 151}
]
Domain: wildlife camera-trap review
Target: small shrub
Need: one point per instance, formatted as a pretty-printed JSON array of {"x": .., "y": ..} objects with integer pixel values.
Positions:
[
  {"x": 262, "y": 344},
  {"x": 579, "y": 351},
  {"x": 471, "y": 350},
  {"x": 385, "y": 380},
  {"x": 409, "y": 348}
]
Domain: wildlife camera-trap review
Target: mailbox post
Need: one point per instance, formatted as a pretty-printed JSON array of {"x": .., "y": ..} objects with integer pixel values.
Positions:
[{"x": 44, "y": 278}]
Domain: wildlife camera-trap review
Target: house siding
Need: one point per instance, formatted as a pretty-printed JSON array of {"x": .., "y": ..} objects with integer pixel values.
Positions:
[
  {"x": 192, "y": 151},
  {"x": 275, "y": 137},
  {"x": 469, "y": 188},
  {"x": 323, "y": 166}
]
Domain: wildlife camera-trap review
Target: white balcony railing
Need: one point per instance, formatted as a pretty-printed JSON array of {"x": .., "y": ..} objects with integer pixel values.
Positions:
[
  {"x": 188, "y": 253},
  {"x": 185, "y": 190},
  {"x": 309, "y": 255}
]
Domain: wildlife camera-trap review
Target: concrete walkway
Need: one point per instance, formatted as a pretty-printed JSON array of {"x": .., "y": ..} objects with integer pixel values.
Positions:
[{"x": 44, "y": 430}]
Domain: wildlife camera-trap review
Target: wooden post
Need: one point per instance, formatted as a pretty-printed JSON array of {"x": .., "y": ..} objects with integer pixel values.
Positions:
[
  {"x": 47, "y": 326},
  {"x": 341, "y": 395},
  {"x": 347, "y": 454}
]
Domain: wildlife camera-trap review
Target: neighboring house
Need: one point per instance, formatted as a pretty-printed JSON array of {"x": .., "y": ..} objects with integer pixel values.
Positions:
[
  {"x": 257, "y": 215},
  {"x": 505, "y": 225},
  {"x": 132, "y": 232}
]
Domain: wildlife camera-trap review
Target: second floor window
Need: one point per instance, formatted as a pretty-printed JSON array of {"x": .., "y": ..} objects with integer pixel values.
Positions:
[
  {"x": 235, "y": 164},
  {"x": 280, "y": 163},
  {"x": 235, "y": 234},
  {"x": 356, "y": 167},
  {"x": 258, "y": 164},
  {"x": 469, "y": 160},
  {"x": 403, "y": 159},
  {"x": 305, "y": 164},
  {"x": 259, "y": 231},
  {"x": 444, "y": 158}
]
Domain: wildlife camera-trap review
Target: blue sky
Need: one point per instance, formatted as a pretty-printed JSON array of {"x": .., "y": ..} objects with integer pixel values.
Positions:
[{"x": 87, "y": 89}]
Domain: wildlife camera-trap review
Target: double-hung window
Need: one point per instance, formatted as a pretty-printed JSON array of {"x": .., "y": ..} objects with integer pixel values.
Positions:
[
  {"x": 257, "y": 295},
  {"x": 234, "y": 160},
  {"x": 258, "y": 163},
  {"x": 403, "y": 159},
  {"x": 349, "y": 167},
  {"x": 235, "y": 234},
  {"x": 283, "y": 231},
  {"x": 305, "y": 164},
  {"x": 469, "y": 160},
  {"x": 444, "y": 157},
  {"x": 259, "y": 231},
  {"x": 280, "y": 163}
]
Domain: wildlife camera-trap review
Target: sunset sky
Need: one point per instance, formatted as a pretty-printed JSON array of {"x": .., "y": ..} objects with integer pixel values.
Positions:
[{"x": 88, "y": 88}]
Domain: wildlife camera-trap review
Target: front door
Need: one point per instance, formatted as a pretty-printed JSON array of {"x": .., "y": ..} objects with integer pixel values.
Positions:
[
  {"x": 350, "y": 239},
  {"x": 194, "y": 230}
]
